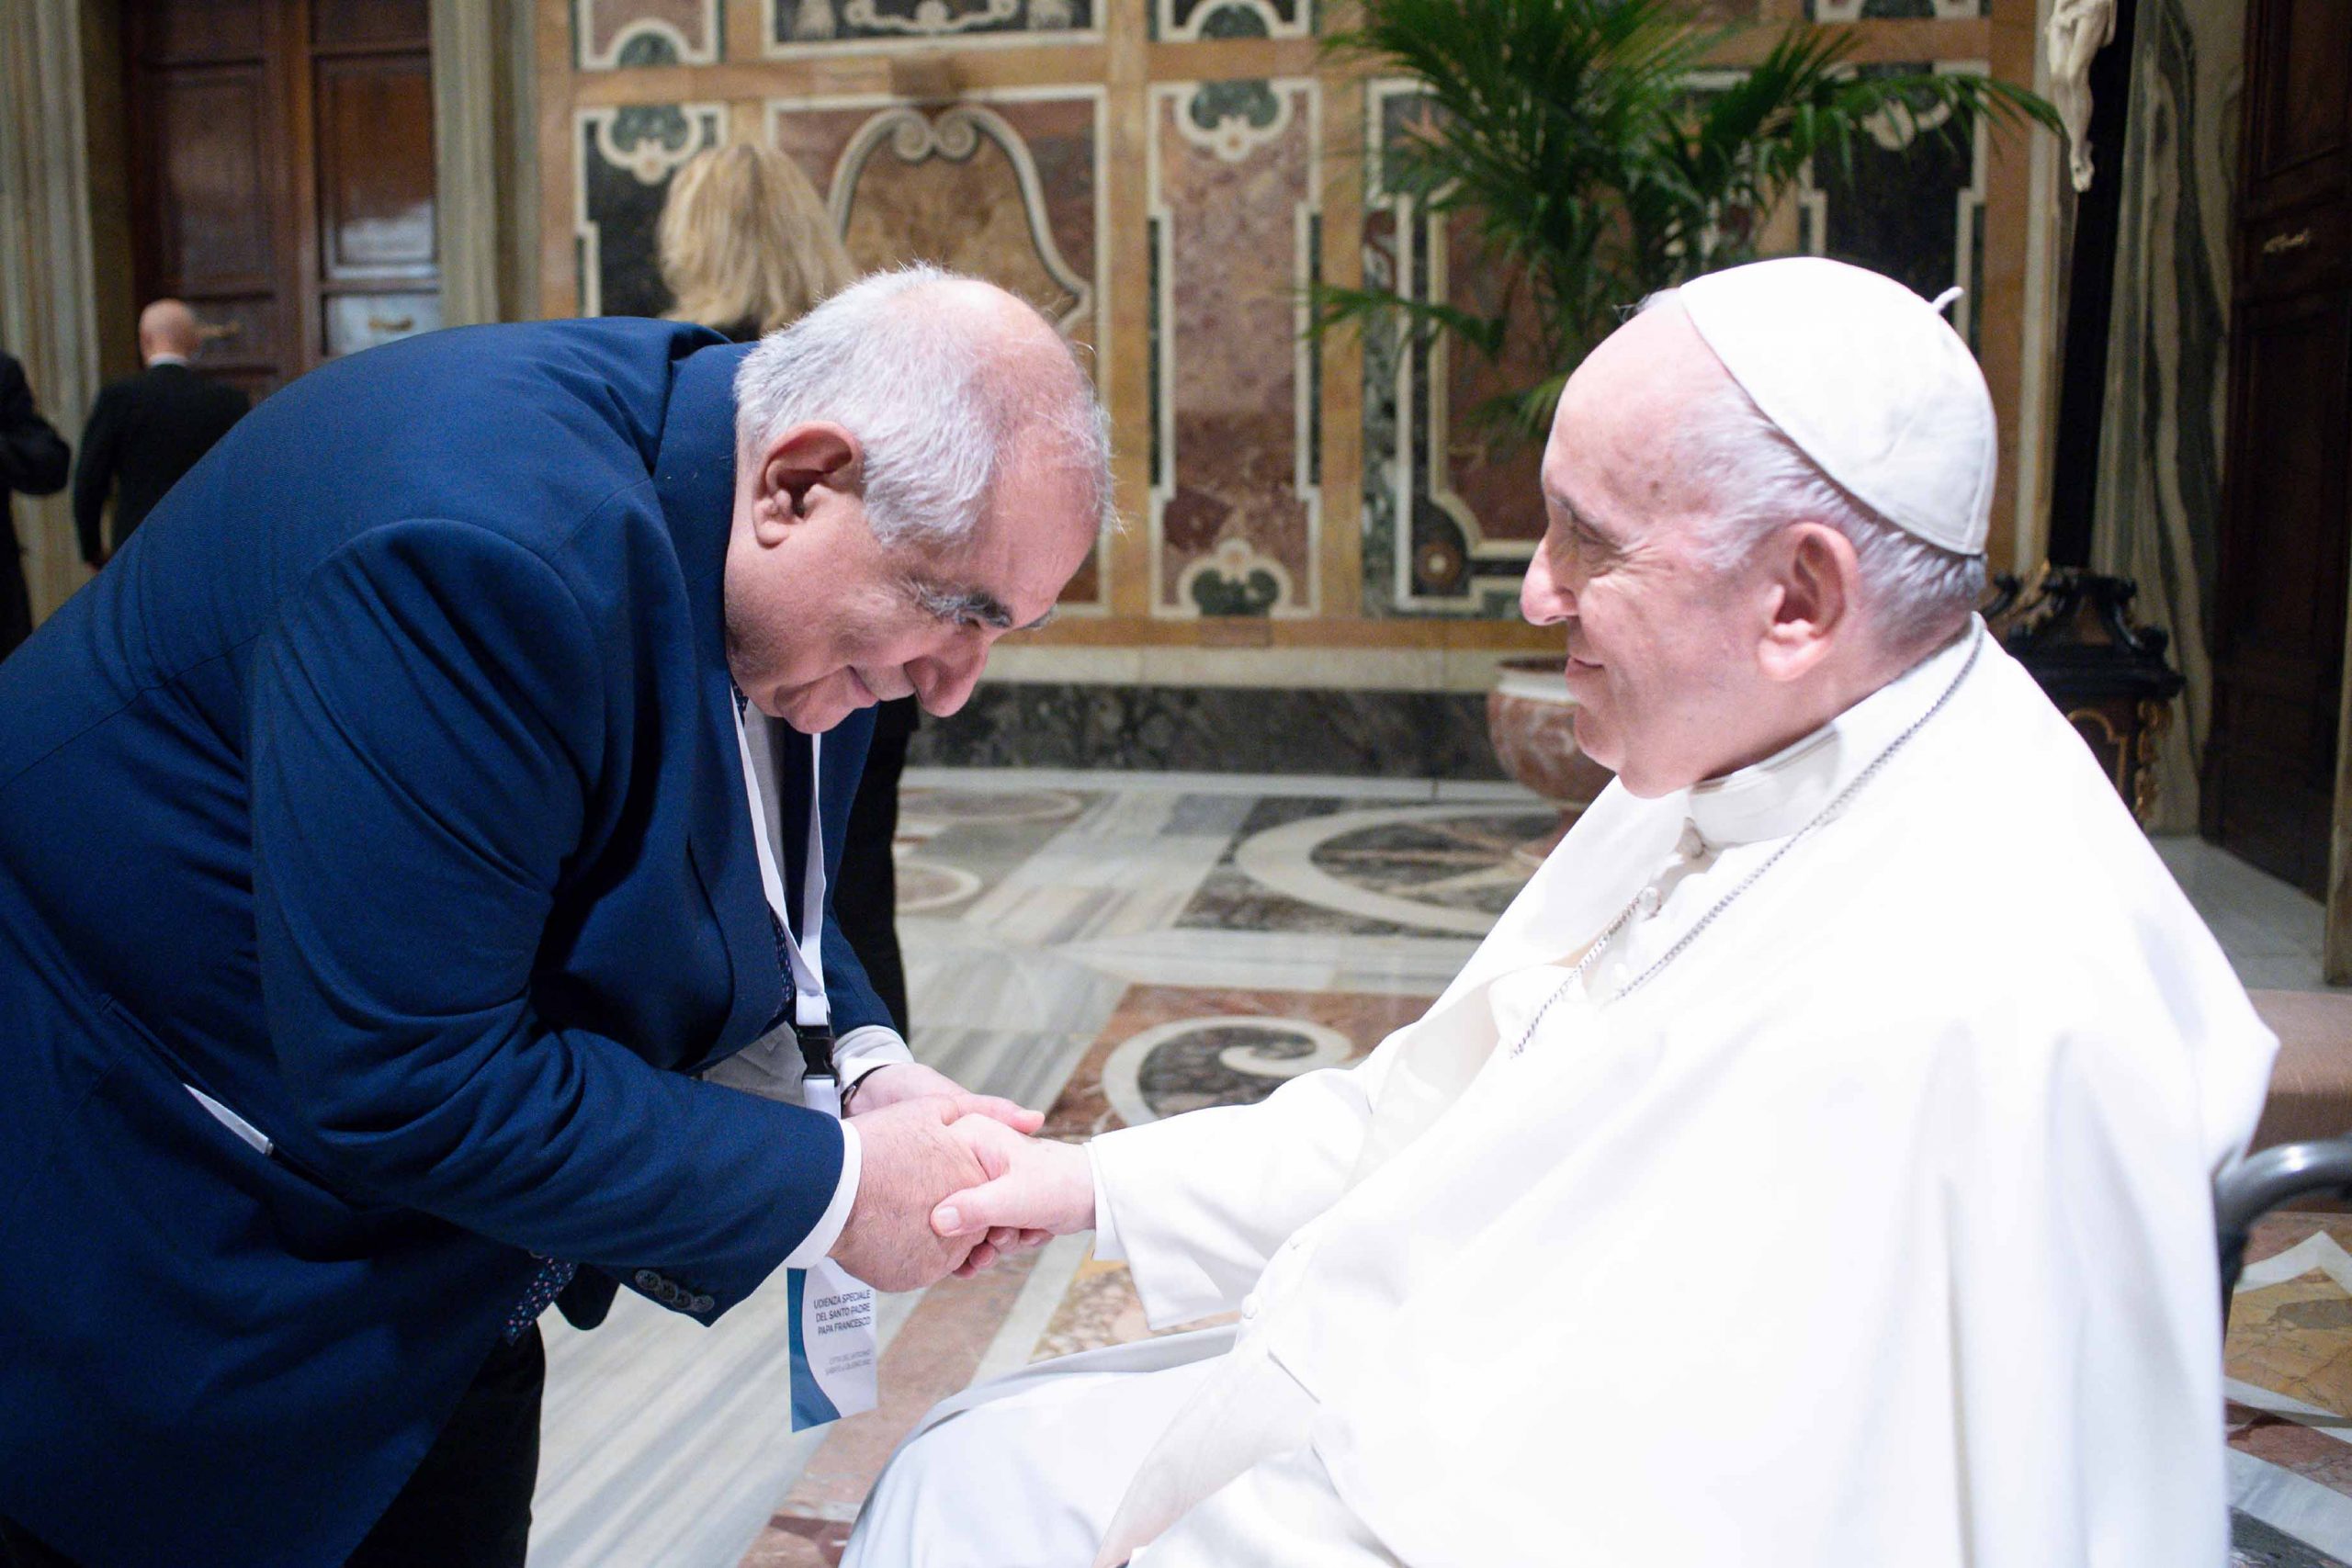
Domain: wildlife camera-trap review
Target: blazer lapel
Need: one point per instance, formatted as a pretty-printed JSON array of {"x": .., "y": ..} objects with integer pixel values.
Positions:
[{"x": 694, "y": 477}]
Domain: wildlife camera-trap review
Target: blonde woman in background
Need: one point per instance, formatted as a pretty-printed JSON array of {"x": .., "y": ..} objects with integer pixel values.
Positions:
[{"x": 746, "y": 244}]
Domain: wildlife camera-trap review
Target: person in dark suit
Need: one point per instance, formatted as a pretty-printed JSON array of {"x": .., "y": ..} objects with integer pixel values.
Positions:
[
  {"x": 145, "y": 432},
  {"x": 33, "y": 458},
  {"x": 380, "y": 868},
  {"x": 746, "y": 248}
]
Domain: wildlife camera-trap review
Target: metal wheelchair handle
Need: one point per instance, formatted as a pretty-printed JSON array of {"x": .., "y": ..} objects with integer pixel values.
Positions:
[{"x": 2261, "y": 1182}]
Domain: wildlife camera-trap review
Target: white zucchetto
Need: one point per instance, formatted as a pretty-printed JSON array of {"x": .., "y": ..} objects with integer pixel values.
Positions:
[{"x": 1868, "y": 379}]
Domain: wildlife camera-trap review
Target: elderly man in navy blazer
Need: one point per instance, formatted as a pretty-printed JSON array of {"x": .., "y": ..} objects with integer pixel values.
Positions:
[{"x": 377, "y": 873}]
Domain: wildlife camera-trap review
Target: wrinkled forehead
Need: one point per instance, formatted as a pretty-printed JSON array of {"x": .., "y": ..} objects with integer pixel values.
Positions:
[
  {"x": 1037, "y": 529},
  {"x": 1622, "y": 437}
]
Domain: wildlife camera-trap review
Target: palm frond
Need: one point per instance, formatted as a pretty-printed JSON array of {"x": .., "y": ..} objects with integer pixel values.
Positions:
[{"x": 1567, "y": 136}]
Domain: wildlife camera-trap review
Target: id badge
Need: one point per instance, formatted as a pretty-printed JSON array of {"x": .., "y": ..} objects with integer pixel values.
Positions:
[{"x": 833, "y": 1319}]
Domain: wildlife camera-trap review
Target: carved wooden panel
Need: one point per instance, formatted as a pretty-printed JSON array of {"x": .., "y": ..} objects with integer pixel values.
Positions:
[{"x": 281, "y": 161}]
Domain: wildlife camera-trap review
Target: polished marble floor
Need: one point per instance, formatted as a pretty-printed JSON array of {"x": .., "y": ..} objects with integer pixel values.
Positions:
[{"x": 1121, "y": 946}]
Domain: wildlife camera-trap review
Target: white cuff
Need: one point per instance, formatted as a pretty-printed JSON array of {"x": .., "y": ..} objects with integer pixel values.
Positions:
[
  {"x": 866, "y": 1048},
  {"x": 1106, "y": 1233},
  {"x": 819, "y": 1241}
]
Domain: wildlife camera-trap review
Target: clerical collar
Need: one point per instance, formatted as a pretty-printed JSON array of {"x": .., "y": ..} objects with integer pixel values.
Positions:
[
  {"x": 156, "y": 359},
  {"x": 1773, "y": 798}
]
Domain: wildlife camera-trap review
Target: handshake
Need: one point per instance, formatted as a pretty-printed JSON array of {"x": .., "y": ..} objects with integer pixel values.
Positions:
[{"x": 949, "y": 1182}]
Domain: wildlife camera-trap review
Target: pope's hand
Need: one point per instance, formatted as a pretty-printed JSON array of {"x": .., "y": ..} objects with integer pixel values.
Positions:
[
  {"x": 1034, "y": 1187},
  {"x": 910, "y": 1157}
]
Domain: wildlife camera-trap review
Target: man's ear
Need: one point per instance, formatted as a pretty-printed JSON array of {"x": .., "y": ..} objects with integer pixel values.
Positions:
[
  {"x": 796, "y": 464},
  {"x": 1816, "y": 577}
]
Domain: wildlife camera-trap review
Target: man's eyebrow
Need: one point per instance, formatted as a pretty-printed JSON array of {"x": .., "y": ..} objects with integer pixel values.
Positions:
[{"x": 966, "y": 604}]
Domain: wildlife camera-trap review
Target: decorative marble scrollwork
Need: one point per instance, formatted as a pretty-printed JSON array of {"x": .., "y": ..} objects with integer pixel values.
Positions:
[
  {"x": 627, "y": 154},
  {"x": 956, "y": 136},
  {"x": 1187, "y": 21},
  {"x": 1231, "y": 1059},
  {"x": 1234, "y": 580},
  {"x": 930, "y": 19},
  {"x": 1441, "y": 868},
  {"x": 1236, "y": 230},
  {"x": 794, "y": 25},
  {"x": 1233, "y": 119},
  {"x": 650, "y": 141}
]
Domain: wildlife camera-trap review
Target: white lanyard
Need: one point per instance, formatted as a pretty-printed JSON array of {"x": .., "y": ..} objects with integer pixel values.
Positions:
[{"x": 809, "y": 1008}]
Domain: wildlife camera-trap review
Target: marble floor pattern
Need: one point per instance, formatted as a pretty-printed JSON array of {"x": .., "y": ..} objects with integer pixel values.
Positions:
[{"x": 1121, "y": 946}]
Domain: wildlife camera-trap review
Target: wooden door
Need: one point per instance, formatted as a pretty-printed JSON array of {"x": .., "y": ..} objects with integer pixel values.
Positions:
[
  {"x": 2279, "y": 611},
  {"x": 281, "y": 177}
]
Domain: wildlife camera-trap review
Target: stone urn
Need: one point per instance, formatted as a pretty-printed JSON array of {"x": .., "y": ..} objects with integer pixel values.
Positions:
[{"x": 1529, "y": 719}]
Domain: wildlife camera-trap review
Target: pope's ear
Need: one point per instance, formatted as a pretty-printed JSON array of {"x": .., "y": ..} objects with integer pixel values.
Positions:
[
  {"x": 1816, "y": 578},
  {"x": 796, "y": 465}
]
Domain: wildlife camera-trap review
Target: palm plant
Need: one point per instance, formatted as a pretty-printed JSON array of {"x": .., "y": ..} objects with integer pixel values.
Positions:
[{"x": 1568, "y": 135}]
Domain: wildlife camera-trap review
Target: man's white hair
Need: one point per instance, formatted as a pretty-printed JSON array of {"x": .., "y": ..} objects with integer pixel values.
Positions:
[
  {"x": 935, "y": 413},
  {"x": 1915, "y": 593}
]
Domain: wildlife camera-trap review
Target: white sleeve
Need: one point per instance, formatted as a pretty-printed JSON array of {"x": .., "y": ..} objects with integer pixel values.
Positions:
[
  {"x": 1107, "y": 1246},
  {"x": 819, "y": 1241},
  {"x": 1198, "y": 1203},
  {"x": 862, "y": 1050}
]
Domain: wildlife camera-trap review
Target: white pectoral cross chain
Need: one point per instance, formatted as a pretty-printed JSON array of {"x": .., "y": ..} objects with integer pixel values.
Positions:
[{"x": 1646, "y": 901}]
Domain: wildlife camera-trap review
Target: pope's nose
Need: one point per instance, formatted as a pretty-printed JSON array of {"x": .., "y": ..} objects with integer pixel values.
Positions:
[{"x": 1544, "y": 600}]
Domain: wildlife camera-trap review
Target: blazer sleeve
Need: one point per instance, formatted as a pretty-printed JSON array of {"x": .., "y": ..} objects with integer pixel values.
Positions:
[
  {"x": 425, "y": 722},
  {"x": 94, "y": 470},
  {"x": 33, "y": 457}
]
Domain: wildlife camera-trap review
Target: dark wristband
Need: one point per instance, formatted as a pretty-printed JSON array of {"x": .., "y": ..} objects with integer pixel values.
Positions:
[{"x": 849, "y": 1094}]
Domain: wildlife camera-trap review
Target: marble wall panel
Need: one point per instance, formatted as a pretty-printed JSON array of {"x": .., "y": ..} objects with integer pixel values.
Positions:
[
  {"x": 795, "y": 27},
  {"x": 1235, "y": 233},
  {"x": 1451, "y": 502},
  {"x": 1451, "y": 499},
  {"x": 1910, "y": 205},
  {"x": 626, "y": 157},
  {"x": 609, "y": 35},
  {"x": 1007, "y": 186}
]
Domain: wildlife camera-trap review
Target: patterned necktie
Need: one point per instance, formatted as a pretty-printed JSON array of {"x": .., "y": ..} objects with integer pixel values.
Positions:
[{"x": 553, "y": 1276}]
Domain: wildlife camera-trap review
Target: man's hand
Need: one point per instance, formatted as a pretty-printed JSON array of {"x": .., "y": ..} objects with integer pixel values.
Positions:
[
  {"x": 895, "y": 1083},
  {"x": 1038, "y": 1189},
  {"x": 910, "y": 1157}
]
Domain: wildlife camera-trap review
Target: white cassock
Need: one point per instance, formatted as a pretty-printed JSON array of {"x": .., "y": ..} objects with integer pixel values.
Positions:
[{"x": 1875, "y": 1231}]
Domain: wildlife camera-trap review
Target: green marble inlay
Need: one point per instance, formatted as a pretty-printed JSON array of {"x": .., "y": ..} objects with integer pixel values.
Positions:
[
  {"x": 1218, "y": 102},
  {"x": 648, "y": 49},
  {"x": 1219, "y": 595},
  {"x": 1232, "y": 22}
]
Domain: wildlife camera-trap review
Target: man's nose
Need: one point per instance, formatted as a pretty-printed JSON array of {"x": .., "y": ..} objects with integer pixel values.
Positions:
[
  {"x": 1544, "y": 598},
  {"x": 944, "y": 682}
]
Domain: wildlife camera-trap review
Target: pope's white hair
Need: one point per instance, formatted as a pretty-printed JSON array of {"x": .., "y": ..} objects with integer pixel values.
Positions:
[
  {"x": 935, "y": 412},
  {"x": 1915, "y": 593}
]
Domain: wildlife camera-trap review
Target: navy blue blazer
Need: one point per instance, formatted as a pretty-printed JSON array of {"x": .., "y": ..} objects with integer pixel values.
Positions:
[{"x": 384, "y": 789}]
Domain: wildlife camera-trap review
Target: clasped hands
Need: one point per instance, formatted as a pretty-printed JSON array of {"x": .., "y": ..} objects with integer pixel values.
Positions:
[{"x": 951, "y": 1181}]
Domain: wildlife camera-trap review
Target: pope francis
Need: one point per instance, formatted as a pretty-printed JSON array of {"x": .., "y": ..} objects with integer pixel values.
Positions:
[{"x": 1777, "y": 1185}]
